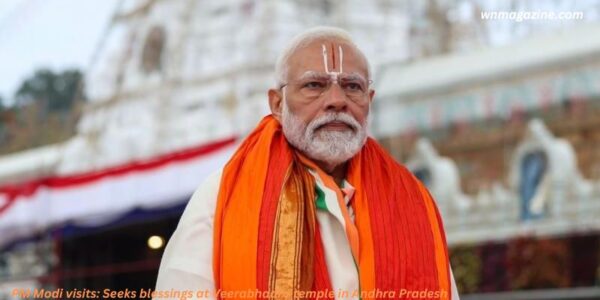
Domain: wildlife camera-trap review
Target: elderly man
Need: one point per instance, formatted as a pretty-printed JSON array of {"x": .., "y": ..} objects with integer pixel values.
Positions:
[{"x": 309, "y": 206}]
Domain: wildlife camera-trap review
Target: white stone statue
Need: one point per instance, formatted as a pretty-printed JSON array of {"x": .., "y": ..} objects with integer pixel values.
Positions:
[
  {"x": 558, "y": 181},
  {"x": 441, "y": 176}
]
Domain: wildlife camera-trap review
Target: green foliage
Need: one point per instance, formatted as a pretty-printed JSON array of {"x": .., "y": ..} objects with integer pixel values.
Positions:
[
  {"x": 54, "y": 91},
  {"x": 4, "y": 111},
  {"x": 45, "y": 112}
]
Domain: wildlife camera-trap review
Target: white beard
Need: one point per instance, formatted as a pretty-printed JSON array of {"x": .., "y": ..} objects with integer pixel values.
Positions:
[{"x": 330, "y": 146}]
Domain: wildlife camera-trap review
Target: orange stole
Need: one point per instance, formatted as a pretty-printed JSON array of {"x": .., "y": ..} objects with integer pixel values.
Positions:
[{"x": 266, "y": 235}]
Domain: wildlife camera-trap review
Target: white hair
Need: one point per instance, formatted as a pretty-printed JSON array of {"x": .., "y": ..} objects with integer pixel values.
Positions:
[{"x": 303, "y": 39}]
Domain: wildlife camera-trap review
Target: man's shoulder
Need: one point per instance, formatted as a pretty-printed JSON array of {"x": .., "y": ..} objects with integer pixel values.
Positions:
[
  {"x": 211, "y": 182},
  {"x": 209, "y": 187}
]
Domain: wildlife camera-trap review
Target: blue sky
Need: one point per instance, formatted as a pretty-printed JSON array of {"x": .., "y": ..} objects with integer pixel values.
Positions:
[{"x": 57, "y": 34}]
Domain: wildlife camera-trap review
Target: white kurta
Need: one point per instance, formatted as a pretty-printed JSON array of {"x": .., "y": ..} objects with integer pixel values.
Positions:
[{"x": 187, "y": 261}]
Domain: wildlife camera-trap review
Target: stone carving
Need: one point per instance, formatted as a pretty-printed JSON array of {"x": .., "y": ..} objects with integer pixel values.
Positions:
[
  {"x": 544, "y": 174},
  {"x": 441, "y": 176}
]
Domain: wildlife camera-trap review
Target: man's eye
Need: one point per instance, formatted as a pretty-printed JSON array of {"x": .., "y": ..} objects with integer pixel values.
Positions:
[
  {"x": 353, "y": 86},
  {"x": 314, "y": 85}
]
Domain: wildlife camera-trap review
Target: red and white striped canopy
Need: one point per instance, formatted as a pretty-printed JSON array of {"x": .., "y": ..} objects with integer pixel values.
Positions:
[{"x": 96, "y": 198}]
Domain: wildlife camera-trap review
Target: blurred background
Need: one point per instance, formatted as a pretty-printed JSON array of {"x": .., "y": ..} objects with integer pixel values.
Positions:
[{"x": 112, "y": 113}]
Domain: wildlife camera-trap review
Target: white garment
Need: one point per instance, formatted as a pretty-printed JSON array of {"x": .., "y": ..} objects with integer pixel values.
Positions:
[{"x": 187, "y": 261}]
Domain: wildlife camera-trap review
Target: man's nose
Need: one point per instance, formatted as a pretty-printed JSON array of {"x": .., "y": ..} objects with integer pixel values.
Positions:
[{"x": 335, "y": 98}]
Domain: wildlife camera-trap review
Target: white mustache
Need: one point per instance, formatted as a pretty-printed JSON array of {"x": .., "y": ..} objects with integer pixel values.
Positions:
[{"x": 333, "y": 117}]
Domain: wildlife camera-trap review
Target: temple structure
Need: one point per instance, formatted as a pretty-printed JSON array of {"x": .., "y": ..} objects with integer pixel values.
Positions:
[{"x": 506, "y": 138}]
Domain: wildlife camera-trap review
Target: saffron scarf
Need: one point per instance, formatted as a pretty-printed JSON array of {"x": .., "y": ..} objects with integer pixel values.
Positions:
[{"x": 267, "y": 242}]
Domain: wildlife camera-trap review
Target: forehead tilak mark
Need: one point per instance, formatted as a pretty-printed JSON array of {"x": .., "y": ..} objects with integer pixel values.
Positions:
[
  {"x": 332, "y": 56},
  {"x": 325, "y": 58},
  {"x": 326, "y": 65},
  {"x": 341, "y": 59}
]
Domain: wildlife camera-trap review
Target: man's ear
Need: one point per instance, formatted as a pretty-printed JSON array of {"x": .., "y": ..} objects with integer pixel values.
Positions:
[
  {"x": 371, "y": 95},
  {"x": 275, "y": 102}
]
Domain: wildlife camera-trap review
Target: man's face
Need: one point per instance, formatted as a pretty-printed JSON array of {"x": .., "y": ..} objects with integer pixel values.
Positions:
[{"x": 324, "y": 105}]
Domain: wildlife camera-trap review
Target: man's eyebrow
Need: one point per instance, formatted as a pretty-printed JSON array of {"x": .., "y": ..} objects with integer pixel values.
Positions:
[
  {"x": 353, "y": 76},
  {"x": 312, "y": 75},
  {"x": 320, "y": 75}
]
